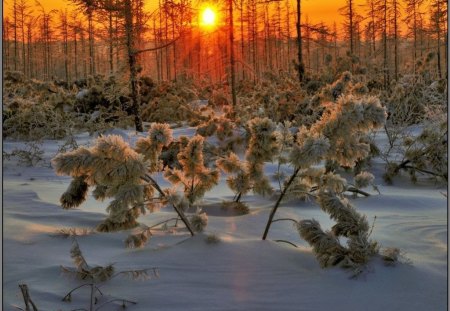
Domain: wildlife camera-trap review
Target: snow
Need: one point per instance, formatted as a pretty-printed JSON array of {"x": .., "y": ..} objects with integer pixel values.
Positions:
[{"x": 241, "y": 272}]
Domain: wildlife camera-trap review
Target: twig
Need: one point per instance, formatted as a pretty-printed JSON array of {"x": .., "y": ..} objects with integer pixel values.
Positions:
[
  {"x": 355, "y": 190},
  {"x": 284, "y": 241},
  {"x": 180, "y": 213},
  {"x": 283, "y": 219},
  {"x": 27, "y": 298},
  {"x": 124, "y": 301},
  {"x": 277, "y": 204},
  {"x": 154, "y": 270},
  {"x": 373, "y": 225},
  {"x": 422, "y": 170},
  {"x": 162, "y": 222},
  {"x": 78, "y": 287}
]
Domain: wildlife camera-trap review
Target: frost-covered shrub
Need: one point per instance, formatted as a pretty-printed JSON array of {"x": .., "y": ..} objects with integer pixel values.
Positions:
[
  {"x": 249, "y": 175},
  {"x": 345, "y": 125},
  {"x": 217, "y": 125},
  {"x": 349, "y": 224},
  {"x": 34, "y": 110},
  {"x": 199, "y": 221},
  {"x": 166, "y": 108},
  {"x": 426, "y": 154},
  {"x": 239, "y": 208},
  {"x": 193, "y": 176},
  {"x": 337, "y": 136},
  {"x": 14, "y": 76},
  {"x": 116, "y": 170},
  {"x": 364, "y": 179},
  {"x": 31, "y": 155},
  {"x": 219, "y": 97},
  {"x": 229, "y": 133},
  {"x": 102, "y": 119},
  {"x": 105, "y": 102},
  {"x": 169, "y": 102},
  {"x": 414, "y": 99},
  {"x": 212, "y": 239},
  {"x": 332, "y": 92},
  {"x": 91, "y": 99},
  {"x": 93, "y": 275},
  {"x": 28, "y": 120},
  {"x": 275, "y": 97}
]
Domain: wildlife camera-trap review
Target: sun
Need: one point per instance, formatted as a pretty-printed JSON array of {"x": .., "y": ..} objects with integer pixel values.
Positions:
[{"x": 208, "y": 17}]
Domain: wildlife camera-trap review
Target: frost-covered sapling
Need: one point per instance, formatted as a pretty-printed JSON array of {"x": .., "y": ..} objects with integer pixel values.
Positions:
[
  {"x": 225, "y": 131},
  {"x": 117, "y": 171},
  {"x": 285, "y": 139},
  {"x": 30, "y": 156},
  {"x": 349, "y": 224},
  {"x": 94, "y": 276},
  {"x": 338, "y": 136},
  {"x": 426, "y": 154},
  {"x": 249, "y": 174},
  {"x": 194, "y": 177}
]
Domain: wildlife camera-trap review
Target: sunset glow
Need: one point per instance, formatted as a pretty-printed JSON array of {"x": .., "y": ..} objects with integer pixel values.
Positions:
[{"x": 208, "y": 17}]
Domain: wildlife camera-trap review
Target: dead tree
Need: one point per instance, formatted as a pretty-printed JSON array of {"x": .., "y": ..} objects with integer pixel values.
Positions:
[{"x": 300, "y": 64}]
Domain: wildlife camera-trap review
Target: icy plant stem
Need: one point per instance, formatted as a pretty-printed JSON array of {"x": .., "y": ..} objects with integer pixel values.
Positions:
[
  {"x": 66, "y": 297},
  {"x": 238, "y": 197},
  {"x": 91, "y": 307},
  {"x": 356, "y": 191},
  {"x": 124, "y": 302},
  {"x": 277, "y": 204},
  {"x": 180, "y": 213},
  {"x": 26, "y": 298}
]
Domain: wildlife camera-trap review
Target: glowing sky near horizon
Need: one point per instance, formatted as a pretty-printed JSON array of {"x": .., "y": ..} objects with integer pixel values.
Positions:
[{"x": 316, "y": 10}]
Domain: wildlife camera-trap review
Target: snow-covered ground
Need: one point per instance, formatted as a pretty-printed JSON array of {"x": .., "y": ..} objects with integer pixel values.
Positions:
[{"x": 241, "y": 272}]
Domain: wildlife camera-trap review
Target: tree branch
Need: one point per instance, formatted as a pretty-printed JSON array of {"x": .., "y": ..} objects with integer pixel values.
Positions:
[
  {"x": 180, "y": 213},
  {"x": 157, "y": 47}
]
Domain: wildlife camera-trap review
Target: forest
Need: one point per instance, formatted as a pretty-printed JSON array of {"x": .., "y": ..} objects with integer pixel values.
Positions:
[{"x": 235, "y": 153}]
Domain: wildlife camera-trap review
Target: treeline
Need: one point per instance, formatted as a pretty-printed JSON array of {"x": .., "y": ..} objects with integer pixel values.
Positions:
[{"x": 384, "y": 38}]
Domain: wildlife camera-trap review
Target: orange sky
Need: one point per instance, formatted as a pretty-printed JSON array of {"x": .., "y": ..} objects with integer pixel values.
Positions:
[{"x": 317, "y": 10}]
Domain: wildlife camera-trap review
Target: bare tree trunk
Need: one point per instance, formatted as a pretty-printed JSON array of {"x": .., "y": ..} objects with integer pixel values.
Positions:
[
  {"x": 395, "y": 18},
  {"x": 288, "y": 29},
  {"x": 301, "y": 66},
  {"x": 158, "y": 67},
  {"x": 166, "y": 34},
  {"x": 415, "y": 37},
  {"x": 65, "y": 34},
  {"x": 116, "y": 35},
  {"x": 438, "y": 30},
  {"x": 174, "y": 49},
  {"x": 6, "y": 40},
  {"x": 48, "y": 40},
  {"x": 350, "y": 8},
  {"x": 385, "y": 60},
  {"x": 232, "y": 61},
  {"x": 83, "y": 53},
  {"x": 129, "y": 30},
  {"x": 91, "y": 41},
  {"x": 29, "y": 49},
  {"x": 75, "y": 51},
  {"x": 335, "y": 42},
  {"x": 242, "y": 38},
  {"x": 15, "y": 34},
  {"x": 111, "y": 43},
  {"x": 446, "y": 54},
  {"x": 22, "y": 9}
]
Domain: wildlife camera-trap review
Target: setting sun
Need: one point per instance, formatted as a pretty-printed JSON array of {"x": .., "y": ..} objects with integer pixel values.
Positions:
[{"x": 208, "y": 17}]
